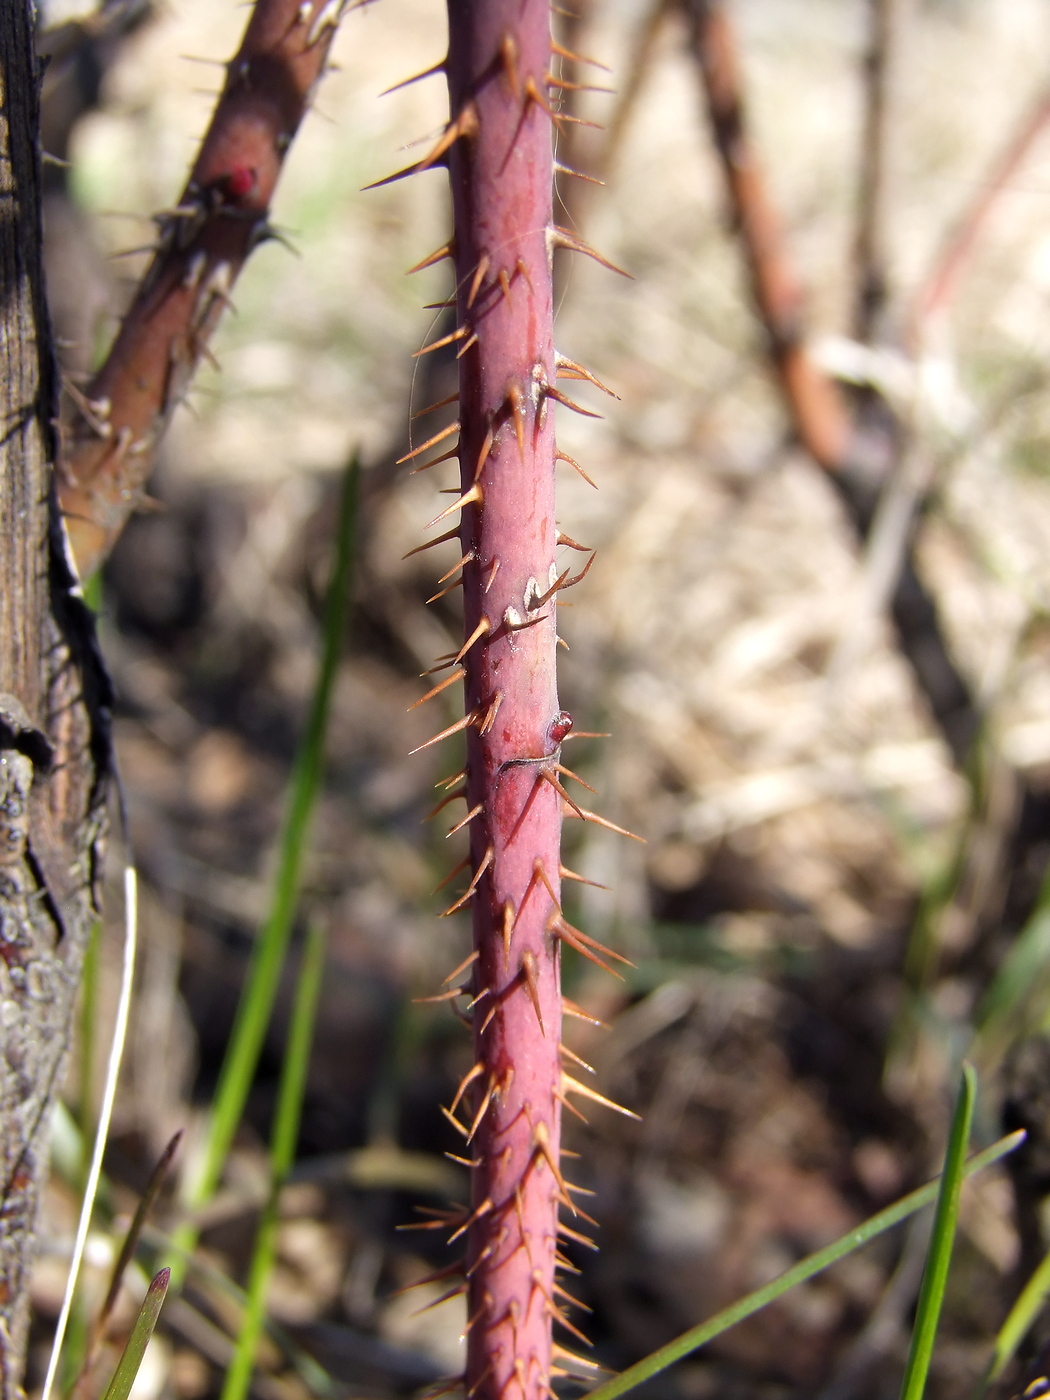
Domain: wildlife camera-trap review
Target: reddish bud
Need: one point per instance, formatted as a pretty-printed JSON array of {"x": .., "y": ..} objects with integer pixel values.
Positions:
[{"x": 560, "y": 726}]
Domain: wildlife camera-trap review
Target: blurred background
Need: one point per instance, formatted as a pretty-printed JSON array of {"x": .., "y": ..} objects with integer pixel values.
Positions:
[{"x": 840, "y": 896}]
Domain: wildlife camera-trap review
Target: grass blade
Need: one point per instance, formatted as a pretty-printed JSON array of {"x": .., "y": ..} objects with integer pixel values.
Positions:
[
  {"x": 698, "y": 1336},
  {"x": 131, "y": 1357},
  {"x": 105, "y": 1113},
  {"x": 942, "y": 1240},
  {"x": 124, "y": 1258},
  {"x": 282, "y": 1156},
  {"x": 1015, "y": 1328},
  {"x": 256, "y": 1004}
]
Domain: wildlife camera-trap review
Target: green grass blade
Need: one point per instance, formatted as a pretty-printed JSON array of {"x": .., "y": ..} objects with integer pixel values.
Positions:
[
  {"x": 256, "y": 1005},
  {"x": 1020, "y": 1319},
  {"x": 131, "y": 1358},
  {"x": 146, "y": 1203},
  {"x": 698, "y": 1336},
  {"x": 282, "y": 1156},
  {"x": 942, "y": 1241}
]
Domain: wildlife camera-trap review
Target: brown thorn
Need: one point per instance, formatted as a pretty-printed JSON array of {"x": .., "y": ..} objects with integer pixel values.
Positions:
[
  {"x": 521, "y": 270},
  {"x": 560, "y": 1262},
  {"x": 560, "y": 768},
  {"x": 558, "y": 1316},
  {"x": 483, "y": 1209},
  {"x": 598, "y": 947},
  {"x": 483, "y": 455},
  {"x": 577, "y": 371},
  {"x": 461, "y": 563},
  {"x": 573, "y": 1235},
  {"x": 441, "y": 996},
  {"x": 564, "y": 85},
  {"x": 473, "y": 496},
  {"x": 465, "y": 1083},
  {"x": 433, "y": 407},
  {"x": 444, "y": 592},
  {"x": 449, "y": 535},
  {"x": 543, "y": 598},
  {"x": 529, "y": 977},
  {"x": 587, "y": 734},
  {"x": 435, "y": 461},
  {"x": 560, "y": 169},
  {"x": 456, "y": 1292},
  {"x": 456, "y": 675},
  {"x": 471, "y": 1162},
  {"x": 415, "y": 78},
  {"x": 541, "y": 1137},
  {"x": 568, "y": 541},
  {"x": 463, "y": 723},
  {"x": 454, "y": 1121},
  {"x": 601, "y": 821},
  {"x": 561, "y": 456},
  {"x": 479, "y": 277},
  {"x": 550, "y": 392},
  {"x": 483, "y": 627},
  {"x": 562, "y": 932},
  {"x": 577, "y": 57},
  {"x": 474, "y": 811},
  {"x": 480, "y": 1380},
  {"x": 548, "y": 777},
  {"x": 578, "y": 578},
  {"x": 449, "y": 797},
  {"x": 446, "y": 305},
  {"x": 491, "y": 713},
  {"x": 563, "y": 1048},
  {"x": 468, "y": 961},
  {"x": 453, "y": 873},
  {"x": 504, "y": 282},
  {"x": 508, "y": 927},
  {"x": 438, "y": 1276},
  {"x": 441, "y": 664},
  {"x": 457, "y": 334},
  {"x": 567, "y": 874},
  {"x": 486, "y": 861},
  {"x": 447, "y": 250},
  {"x": 492, "y": 575},
  {"x": 573, "y": 1086},
  {"x": 430, "y": 442},
  {"x": 566, "y": 1103},
  {"x": 484, "y": 1108},
  {"x": 564, "y": 238},
  {"x": 533, "y": 94},
  {"x": 508, "y": 53},
  {"x": 473, "y": 340},
  {"x": 564, "y": 1293},
  {"x": 572, "y": 1008},
  {"x": 451, "y": 780},
  {"x": 516, "y": 399}
]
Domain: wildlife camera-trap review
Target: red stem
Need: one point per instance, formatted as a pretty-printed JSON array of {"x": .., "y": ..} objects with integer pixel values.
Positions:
[
  {"x": 501, "y": 173},
  {"x": 204, "y": 242}
]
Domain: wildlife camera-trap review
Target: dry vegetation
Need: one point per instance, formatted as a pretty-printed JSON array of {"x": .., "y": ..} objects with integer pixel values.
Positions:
[{"x": 767, "y": 737}]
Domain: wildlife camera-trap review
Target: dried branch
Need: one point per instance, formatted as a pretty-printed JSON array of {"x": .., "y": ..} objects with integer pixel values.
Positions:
[
  {"x": 859, "y": 455},
  {"x": 203, "y": 243},
  {"x": 957, "y": 250},
  {"x": 870, "y": 254}
]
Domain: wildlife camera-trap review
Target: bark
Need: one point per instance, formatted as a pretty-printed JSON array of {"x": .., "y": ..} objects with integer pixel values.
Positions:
[{"x": 53, "y": 712}]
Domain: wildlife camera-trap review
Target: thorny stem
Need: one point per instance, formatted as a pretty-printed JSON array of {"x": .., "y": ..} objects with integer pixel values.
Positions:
[
  {"x": 203, "y": 243},
  {"x": 501, "y": 175}
]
